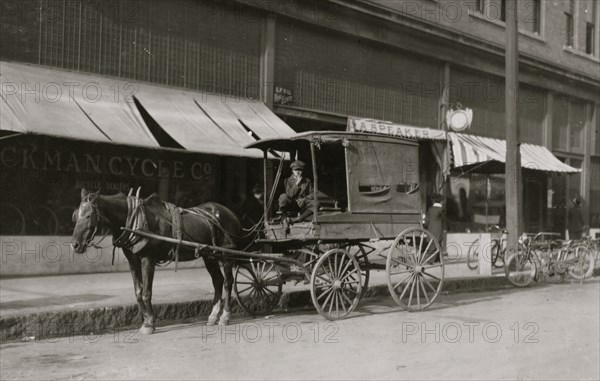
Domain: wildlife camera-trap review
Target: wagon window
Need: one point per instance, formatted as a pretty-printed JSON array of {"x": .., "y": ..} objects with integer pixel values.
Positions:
[{"x": 383, "y": 177}]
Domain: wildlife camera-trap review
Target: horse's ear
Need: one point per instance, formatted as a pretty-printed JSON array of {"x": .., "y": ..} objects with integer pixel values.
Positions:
[{"x": 84, "y": 193}]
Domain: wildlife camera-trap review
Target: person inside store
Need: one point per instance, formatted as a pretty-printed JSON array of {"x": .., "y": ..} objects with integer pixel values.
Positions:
[
  {"x": 297, "y": 200},
  {"x": 576, "y": 223},
  {"x": 253, "y": 208}
]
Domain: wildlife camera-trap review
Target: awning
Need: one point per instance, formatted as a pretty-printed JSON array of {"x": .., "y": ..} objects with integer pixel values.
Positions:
[
  {"x": 60, "y": 103},
  {"x": 471, "y": 150},
  {"x": 68, "y": 104}
]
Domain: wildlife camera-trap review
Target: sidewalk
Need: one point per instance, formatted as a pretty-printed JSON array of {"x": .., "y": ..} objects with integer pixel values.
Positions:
[{"x": 49, "y": 306}]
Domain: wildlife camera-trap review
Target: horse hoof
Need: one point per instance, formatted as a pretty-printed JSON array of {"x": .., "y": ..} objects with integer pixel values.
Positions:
[
  {"x": 146, "y": 330},
  {"x": 211, "y": 321},
  {"x": 224, "y": 318}
]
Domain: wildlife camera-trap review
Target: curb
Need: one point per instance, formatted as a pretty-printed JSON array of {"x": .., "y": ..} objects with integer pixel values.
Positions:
[{"x": 46, "y": 325}]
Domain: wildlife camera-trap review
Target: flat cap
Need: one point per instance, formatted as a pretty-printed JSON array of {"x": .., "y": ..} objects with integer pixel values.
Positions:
[{"x": 298, "y": 164}]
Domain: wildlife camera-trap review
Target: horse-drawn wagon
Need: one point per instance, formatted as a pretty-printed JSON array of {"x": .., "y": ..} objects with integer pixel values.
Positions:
[{"x": 365, "y": 193}]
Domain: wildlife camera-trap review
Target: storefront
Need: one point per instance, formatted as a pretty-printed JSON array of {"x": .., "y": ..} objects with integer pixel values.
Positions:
[
  {"x": 63, "y": 131},
  {"x": 473, "y": 168}
]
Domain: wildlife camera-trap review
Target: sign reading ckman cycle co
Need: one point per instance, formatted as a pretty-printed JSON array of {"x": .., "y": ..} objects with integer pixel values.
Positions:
[
  {"x": 133, "y": 163},
  {"x": 388, "y": 128}
]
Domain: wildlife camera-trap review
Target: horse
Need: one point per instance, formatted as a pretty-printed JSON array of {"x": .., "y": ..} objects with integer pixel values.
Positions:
[{"x": 209, "y": 223}]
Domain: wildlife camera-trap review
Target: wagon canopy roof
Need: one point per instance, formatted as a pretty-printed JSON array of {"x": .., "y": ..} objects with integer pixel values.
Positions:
[{"x": 323, "y": 137}]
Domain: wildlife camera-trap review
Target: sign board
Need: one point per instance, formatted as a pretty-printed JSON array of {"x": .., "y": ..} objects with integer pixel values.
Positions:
[
  {"x": 459, "y": 120},
  {"x": 391, "y": 129}
]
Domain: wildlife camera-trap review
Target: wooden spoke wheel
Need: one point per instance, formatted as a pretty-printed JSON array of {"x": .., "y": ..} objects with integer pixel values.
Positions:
[
  {"x": 258, "y": 287},
  {"x": 305, "y": 256},
  {"x": 415, "y": 269},
  {"x": 361, "y": 253},
  {"x": 336, "y": 284},
  {"x": 520, "y": 270}
]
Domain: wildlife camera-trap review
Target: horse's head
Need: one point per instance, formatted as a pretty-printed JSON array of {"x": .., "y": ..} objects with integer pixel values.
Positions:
[{"x": 87, "y": 219}]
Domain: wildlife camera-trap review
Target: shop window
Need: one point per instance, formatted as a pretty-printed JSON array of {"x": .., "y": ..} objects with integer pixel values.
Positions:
[
  {"x": 595, "y": 193},
  {"x": 560, "y": 121},
  {"x": 574, "y": 180},
  {"x": 42, "y": 179},
  {"x": 597, "y": 131},
  {"x": 577, "y": 120}
]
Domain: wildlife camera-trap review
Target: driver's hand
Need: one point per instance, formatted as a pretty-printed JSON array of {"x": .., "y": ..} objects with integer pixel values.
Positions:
[{"x": 300, "y": 202}]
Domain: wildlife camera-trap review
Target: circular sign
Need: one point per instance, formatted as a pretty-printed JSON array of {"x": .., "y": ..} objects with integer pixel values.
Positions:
[{"x": 459, "y": 120}]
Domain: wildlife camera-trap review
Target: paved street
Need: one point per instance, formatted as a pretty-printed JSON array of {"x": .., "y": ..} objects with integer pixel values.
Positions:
[{"x": 551, "y": 331}]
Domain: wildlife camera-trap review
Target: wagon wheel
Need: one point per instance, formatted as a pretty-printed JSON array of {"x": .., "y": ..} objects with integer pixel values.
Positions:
[
  {"x": 335, "y": 284},
  {"x": 362, "y": 256},
  {"x": 305, "y": 256},
  {"x": 415, "y": 269},
  {"x": 520, "y": 269},
  {"x": 257, "y": 287}
]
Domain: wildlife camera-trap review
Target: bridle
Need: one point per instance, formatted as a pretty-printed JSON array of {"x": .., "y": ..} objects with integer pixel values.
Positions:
[{"x": 90, "y": 202}]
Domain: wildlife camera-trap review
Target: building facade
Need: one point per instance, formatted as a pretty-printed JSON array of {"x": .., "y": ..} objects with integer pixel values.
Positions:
[{"x": 314, "y": 63}]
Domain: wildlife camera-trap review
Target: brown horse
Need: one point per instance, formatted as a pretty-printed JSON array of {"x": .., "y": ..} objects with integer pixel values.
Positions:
[{"x": 208, "y": 223}]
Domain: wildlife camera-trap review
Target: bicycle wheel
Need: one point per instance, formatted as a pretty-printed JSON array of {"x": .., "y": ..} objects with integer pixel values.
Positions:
[
  {"x": 580, "y": 262},
  {"x": 497, "y": 253},
  {"x": 473, "y": 255},
  {"x": 520, "y": 270}
]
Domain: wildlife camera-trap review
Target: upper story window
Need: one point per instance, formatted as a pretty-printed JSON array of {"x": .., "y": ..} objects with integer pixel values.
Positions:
[
  {"x": 569, "y": 29},
  {"x": 590, "y": 31},
  {"x": 529, "y": 13},
  {"x": 590, "y": 17}
]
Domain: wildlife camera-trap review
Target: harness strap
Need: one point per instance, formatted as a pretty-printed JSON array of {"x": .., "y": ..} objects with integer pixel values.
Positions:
[
  {"x": 175, "y": 228},
  {"x": 136, "y": 220}
]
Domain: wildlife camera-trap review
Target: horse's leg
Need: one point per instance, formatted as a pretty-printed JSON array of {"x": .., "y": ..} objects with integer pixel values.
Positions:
[
  {"x": 148, "y": 267},
  {"x": 135, "y": 266},
  {"x": 228, "y": 270},
  {"x": 212, "y": 265}
]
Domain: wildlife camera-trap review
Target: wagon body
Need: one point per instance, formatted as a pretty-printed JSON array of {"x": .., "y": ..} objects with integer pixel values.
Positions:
[{"x": 366, "y": 187}]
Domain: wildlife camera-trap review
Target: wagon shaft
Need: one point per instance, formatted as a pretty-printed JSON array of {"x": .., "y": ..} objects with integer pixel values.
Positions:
[{"x": 275, "y": 257}]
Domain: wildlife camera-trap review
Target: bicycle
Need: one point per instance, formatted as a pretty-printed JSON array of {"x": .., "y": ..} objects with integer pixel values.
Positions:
[
  {"x": 497, "y": 250},
  {"x": 554, "y": 257},
  {"x": 593, "y": 245}
]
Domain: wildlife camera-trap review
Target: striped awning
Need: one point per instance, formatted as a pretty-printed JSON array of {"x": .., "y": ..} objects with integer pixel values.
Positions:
[{"x": 468, "y": 150}]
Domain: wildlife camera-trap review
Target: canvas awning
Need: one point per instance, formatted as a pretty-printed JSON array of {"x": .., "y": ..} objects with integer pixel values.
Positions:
[
  {"x": 66, "y": 104},
  {"x": 471, "y": 150},
  {"x": 73, "y": 105}
]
